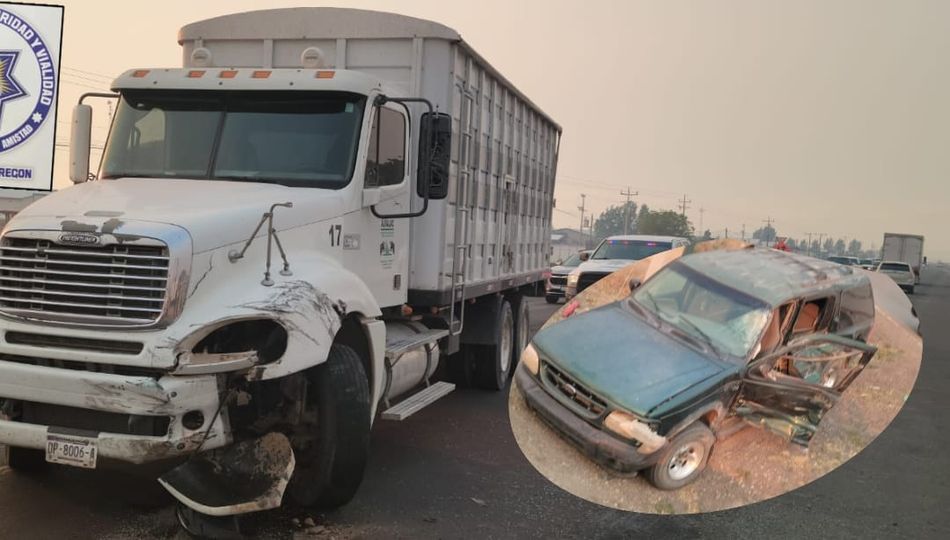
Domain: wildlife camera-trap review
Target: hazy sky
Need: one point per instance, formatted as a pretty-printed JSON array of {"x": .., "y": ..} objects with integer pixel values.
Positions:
[{"x": 829, "y": 117}]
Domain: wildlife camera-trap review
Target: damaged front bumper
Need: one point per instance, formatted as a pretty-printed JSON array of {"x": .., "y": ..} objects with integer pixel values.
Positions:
[
  {"x": 134, "y": 419},
  {"x": 599, "y": 446}
]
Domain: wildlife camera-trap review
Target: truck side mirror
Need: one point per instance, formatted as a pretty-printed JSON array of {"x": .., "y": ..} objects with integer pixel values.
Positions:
[
  {"x": 435, "y": 151},
  {"x": 584, "y": 256},
  {"x": 79, "y": 144}
]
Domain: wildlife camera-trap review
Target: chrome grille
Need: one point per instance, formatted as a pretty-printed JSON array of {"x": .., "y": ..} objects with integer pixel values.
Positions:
[
  {"x": 117, "y": 284},
  {"x": 558, "y": 280},
  {"x": 583, "y": 400},
  {"x": 587, "y": 279}
]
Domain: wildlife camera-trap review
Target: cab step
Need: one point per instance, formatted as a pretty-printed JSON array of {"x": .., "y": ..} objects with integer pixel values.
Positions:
[
  {"x": 418, "y": 401},
  {"x": 396, "y": 347}
]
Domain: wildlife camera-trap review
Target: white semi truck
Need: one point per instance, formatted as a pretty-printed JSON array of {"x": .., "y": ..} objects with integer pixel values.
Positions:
[
  {"x": 284, "y": 240},
  {"x": 908, "y": 248}
]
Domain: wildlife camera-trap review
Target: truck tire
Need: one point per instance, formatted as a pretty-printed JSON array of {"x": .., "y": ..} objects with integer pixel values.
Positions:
[
  {"x": 493, "y": 362},
  {"x": 27, "y": 460},
  {"x": 683, "y": 459},
  {"x": 331, "y": 454},
  {"x": 551, "y": 299},
  {"x": 910, "y": 290},
  {"x": 519, "y": 308}
]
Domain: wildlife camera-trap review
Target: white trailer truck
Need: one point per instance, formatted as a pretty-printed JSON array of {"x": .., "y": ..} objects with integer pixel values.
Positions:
[
  {"x": 908, "y": 248},
  {"x": 285, "y": 239}
]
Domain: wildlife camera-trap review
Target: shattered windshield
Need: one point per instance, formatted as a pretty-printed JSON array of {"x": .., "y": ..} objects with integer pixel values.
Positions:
[
  {"x": 632, "y": 250},
  {"x": 726, "y": 320},
  {"x": 300, "y": 139}
]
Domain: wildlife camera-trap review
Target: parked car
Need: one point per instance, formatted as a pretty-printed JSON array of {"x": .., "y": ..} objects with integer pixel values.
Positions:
[
  {"x": 847, "y": 261},
  {"x": 867, "y": 264},
  {"x": 902, "y": 273},
  {"x": 711, "y": 340},
  {"x": 556, "y": 284},
  {"x": 615, "y": 252}
]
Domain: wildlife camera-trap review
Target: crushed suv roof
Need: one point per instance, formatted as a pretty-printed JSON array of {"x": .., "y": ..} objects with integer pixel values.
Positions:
[{"x": 766, "y": 273}]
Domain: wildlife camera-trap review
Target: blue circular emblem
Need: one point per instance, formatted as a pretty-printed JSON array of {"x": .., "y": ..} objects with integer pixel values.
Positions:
[{"x": 10, "y": 87}]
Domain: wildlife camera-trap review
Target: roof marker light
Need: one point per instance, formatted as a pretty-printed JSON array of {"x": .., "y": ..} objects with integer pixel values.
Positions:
[
  {"x": 139, "y": 73},
  {"x": 324, "y": 74},
  {"x": 227, "y": 74},
  {"x": 260, "y": 74},
  {"x": 196, "y": 74}
]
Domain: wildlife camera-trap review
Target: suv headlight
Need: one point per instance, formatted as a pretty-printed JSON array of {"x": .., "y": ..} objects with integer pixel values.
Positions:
[
  {"x": 572, "y": 279},
  {"x": 529, "y": 357}
]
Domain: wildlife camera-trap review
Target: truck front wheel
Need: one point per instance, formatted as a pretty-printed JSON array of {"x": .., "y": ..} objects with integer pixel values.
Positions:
[{"x": 332, "y": 444}]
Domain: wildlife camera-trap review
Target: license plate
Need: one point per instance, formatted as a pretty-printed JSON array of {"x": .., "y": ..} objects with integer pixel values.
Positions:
[{"x": 72, "y": 450}]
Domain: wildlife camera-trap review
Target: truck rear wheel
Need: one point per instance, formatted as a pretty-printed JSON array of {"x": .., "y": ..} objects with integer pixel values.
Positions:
[
  {"x": 332, "y": 446},
  {"x": 493, "y": 362},
  {"x": 27, "y": 460}
]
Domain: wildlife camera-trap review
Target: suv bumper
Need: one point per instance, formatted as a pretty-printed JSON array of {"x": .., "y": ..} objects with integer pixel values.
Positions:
[
  {"x": 75, "y": 394},
  {"x": 599, "y": 446}
]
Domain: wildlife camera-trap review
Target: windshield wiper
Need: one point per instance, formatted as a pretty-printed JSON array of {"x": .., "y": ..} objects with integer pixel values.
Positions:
[{"x": 703, "y": 335}]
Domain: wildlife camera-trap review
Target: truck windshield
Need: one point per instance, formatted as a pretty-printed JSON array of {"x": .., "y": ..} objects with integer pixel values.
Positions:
[
  {"x": 299, "y": 139},
  {"x": 632, "y": 250},
  {"x": 728, "y": 321}
]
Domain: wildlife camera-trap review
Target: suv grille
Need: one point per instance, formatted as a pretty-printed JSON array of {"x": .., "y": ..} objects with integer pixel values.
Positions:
[
  {"x": 117, "y": 284},
  {"x": 558, "y": 280},
  {"x": 585, "y": 402},
  {"x": 589, "y": 278}
]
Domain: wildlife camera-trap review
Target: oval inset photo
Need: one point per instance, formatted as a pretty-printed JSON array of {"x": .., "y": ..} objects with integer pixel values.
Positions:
[{"x": 712, "y": 376}]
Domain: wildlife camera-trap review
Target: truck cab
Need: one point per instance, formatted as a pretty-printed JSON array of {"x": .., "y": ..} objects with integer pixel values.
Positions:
[{"x": 277, "y": 249}]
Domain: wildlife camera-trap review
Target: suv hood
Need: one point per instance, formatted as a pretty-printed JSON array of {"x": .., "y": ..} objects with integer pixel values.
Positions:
[
  {"x": 618, "y": 356},
  {"x": 561, "y": 270},
  {"x": 215, "y": 213}
]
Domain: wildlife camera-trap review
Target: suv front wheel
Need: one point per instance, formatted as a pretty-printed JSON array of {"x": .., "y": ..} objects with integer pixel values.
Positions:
[{"x": 683, "y": 459}]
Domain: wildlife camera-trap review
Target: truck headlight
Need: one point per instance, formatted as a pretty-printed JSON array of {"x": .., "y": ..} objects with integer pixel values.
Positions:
[
  {"x": 572, "y": 279},
  {"x": 529, "y": 357},
  {"x": 630, "y": 427}
]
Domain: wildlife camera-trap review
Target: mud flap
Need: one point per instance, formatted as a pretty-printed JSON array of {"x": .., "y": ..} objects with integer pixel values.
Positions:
[{"x": 250, "y": 476}]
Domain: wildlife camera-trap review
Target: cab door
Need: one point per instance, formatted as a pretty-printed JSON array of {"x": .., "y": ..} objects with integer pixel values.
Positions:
[
  {"x": 789, "y": 391},
  {"x": 376, "y": 247}
]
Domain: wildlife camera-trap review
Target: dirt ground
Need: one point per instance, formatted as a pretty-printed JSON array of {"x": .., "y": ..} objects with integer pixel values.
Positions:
[{"x": 752, "y": 465}]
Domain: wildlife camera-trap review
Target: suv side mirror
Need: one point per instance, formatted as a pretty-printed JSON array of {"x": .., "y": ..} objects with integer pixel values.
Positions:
[
  {"x": 436, "y": 132},
  {"x": 584, "y": 256},
  {"x": 79, "y": 144},
  {"x": 634, "y": 284}
]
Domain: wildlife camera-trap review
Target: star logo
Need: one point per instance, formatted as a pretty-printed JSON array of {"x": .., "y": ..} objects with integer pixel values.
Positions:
[{"x": 9, "y": 87}]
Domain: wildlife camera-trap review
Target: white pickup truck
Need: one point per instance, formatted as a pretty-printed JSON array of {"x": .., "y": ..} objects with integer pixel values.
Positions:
[
  {"x": 285, "y": 239},
  {"x": 615, "y": 252}
]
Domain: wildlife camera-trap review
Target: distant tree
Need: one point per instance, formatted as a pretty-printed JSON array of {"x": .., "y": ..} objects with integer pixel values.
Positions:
[
  {"x": 828, "y": 245},
  {"x": 792, "y": 244},
  {"x": 611, "y": 220},
  {"x": 815, "y": 247},
  {"x": 854, "y": 248},
  {"x": 707, "y": 235},
  {"x": 644, "y": 210},
  {"x": 765, "y": 234},
  {"x": 840, "y": 246},
  {"x": 664, "y": 222}
]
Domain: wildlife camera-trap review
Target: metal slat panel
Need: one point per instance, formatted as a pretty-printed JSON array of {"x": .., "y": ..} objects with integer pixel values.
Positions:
[
  {"x": 114, "y": 307},
  {"x": 54, "y": 251},
  {"x": 48, "y": 282},
  {"x": 107, "y": 264},
  {"x": 81, "y": 295}
]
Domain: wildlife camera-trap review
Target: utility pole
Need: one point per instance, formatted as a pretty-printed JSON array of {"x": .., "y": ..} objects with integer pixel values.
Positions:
[
  {"x": 683, "y": 205},
  {"x": 819, "y": 242},
  {"x": 626, "y": 209},
  {"x": 701, "y": 211},
  {"x": 808, "y": 250},
  {"x": 727, "y": 232},
  {"x": 768, "y": 225},
  {"x": 743, "y": 232},
  {"x": 581, "y": 208}
]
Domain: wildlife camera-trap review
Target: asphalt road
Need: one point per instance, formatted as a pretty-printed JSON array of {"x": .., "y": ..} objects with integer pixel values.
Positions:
[{"x": 454, "y": 471}]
